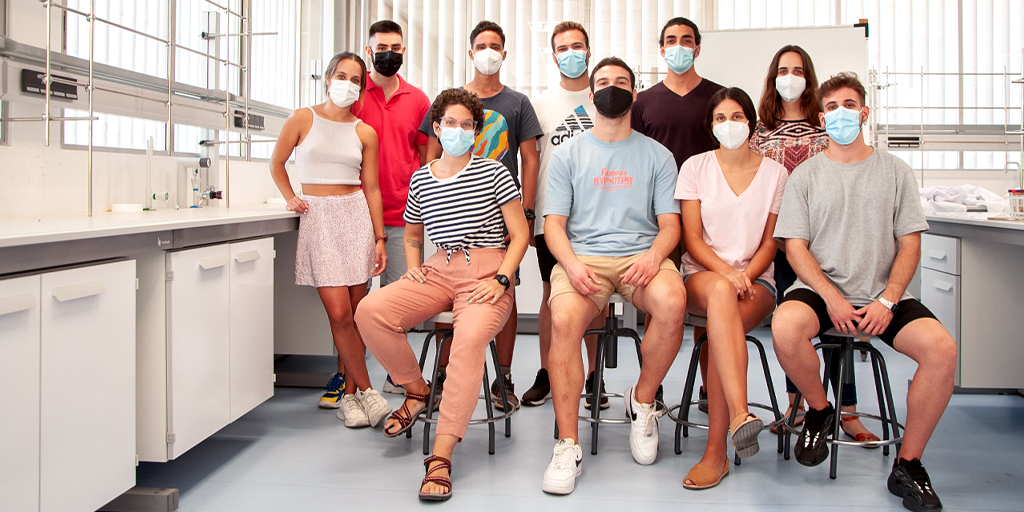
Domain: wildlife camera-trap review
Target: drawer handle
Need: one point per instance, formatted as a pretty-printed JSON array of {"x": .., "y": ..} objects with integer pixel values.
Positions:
[
  {"x": 942, "y": 285},
  {"x": 247, "y": 256},
  {"x": 213, "y": 262},
  {"x": 16, "y": 303},
  {"x": 937, "y": 255},
  {"x": 78, "y": 291}
]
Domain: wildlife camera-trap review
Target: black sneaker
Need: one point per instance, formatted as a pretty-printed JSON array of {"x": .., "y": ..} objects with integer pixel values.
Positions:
[
  {"x": 510, "y": 388},
  {"x": 702, "y": 395},
  {"x": 811, "y": 448},
  {"x": 442, "y": 373},
  {"x": 540, "y": 392},
  {"x": 590, "y": 389},
  {"x": 659, "y": 398},
  {"x": 910, "y": 481}
]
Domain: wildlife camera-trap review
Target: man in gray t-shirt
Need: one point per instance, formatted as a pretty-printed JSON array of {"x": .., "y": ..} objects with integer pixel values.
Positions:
[{"x": 851, "y": 221}]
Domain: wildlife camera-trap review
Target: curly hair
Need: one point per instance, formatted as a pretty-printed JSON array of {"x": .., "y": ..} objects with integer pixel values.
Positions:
[{"x": 449, "y": 97}]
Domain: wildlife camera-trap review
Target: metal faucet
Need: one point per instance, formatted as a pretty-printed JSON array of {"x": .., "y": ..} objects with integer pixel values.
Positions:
[{"x": 209, "y": 194}]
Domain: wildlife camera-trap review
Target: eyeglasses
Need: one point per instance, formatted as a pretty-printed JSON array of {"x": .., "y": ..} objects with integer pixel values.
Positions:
[{"x": 449, "y": 122}]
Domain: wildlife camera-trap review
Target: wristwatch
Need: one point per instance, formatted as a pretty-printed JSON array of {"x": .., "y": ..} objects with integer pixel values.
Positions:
[
  {"x": 530, "y": 214},
  {"x": 892, "y": 306},
  {"x": 503, "y": 279}
]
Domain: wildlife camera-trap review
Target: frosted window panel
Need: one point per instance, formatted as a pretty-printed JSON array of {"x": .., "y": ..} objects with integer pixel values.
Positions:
[
  {"x": 275, "y": 58},
  {"x": 118, "y": 47},
  {"x": 187, "y": 138},
  {"x": 930, "y": 160},
  {"x": 113, "y": 131},
  {"x": 263, "y": 147}
]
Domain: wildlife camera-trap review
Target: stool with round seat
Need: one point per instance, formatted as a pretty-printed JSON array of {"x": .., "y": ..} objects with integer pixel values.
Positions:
[
  {"x": 886, "y": 405},
  {"x": 607, "y": 357},
  {"x": 441, "y": 337},
  {"x": 682, "y": 418}
]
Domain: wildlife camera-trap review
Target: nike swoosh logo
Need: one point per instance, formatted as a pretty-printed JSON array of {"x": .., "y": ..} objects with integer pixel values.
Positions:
[{"x": 632, "y": 414}]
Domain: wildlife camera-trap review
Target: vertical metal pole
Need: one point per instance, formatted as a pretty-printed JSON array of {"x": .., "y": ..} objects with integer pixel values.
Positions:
[
  {"x": 227, "y": 114},
  {"x": 46, "y": 123},
  {"x": 247, "y": 70},
  {"x": 171, "y": 27},
  {"x": 921, "y": 135},
  {"x": 92, "y": 62}
]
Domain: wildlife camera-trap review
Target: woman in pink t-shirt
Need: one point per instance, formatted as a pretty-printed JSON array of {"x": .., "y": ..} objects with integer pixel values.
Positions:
[{"x": 730, "y": 202}]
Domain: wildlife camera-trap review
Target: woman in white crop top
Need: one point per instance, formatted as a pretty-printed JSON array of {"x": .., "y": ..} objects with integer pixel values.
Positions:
[{"x": 341, "y": 230}]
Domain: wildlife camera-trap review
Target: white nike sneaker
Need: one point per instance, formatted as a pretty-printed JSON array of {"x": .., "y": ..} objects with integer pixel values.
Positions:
[
  {"x": 375, "y": 406},
  {"x": 560, "y": 476},
  {"x": 351, "y": 412},
  {"x": 643, "y": 428}
]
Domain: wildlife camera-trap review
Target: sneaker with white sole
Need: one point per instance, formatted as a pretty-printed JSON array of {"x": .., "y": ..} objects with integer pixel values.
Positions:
[
  {"x": 560, "y": 476},
  {"x": 643, "y": 428},
  {"x": 375, "y": 406},
  {"x": 390, "y": 387},
  {"x": 335, "y": 387},
  {"x": 351, "y": 412}
]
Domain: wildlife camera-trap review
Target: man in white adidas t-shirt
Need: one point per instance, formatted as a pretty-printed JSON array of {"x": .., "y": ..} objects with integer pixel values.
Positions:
[{"x": 564, "y": 112}]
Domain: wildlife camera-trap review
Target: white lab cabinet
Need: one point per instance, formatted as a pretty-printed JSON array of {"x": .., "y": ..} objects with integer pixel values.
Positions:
[
  {"x": 207, "y": 345},
  {"x": 19, "y": 393},
  {"x": 67, "y": 388}
]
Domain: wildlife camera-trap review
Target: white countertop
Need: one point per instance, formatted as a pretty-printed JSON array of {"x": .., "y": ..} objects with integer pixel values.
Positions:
[
  {"x": 977, "y": 219},
  {"x": 28, "y": 231}
]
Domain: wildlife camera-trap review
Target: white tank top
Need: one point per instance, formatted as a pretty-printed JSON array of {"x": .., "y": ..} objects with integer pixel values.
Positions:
[{"x": 331, "y": 153}]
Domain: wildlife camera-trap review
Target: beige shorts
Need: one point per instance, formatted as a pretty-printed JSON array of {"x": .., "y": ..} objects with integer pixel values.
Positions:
[{"x": 608, "y": 270}]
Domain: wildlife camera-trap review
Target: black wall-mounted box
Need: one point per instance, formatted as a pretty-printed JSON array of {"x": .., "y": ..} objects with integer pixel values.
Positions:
[
  {"x": 32, "y": 82},
  {"x": 255, "y": 121}
]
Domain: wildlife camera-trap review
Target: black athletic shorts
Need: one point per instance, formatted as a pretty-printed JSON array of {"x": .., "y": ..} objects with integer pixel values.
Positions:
[
  {"x": 545, "y": 260},
  {"x": 909, "y": 310}
]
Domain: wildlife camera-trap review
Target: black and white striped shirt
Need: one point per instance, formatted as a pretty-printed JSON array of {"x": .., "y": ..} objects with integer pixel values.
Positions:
[{"x": 463, "y": 211}]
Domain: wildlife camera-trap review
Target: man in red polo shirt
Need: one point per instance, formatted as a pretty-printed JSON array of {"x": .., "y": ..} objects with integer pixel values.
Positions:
[{"x": 394, "y": 108}]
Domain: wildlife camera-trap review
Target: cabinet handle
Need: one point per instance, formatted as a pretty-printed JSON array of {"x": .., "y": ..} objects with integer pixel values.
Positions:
[
  {"x": 942, "y": 285},
  {"x": 247, "y": 256},
  {"x": 15, "y": 303},
  {"x": 78, "y": 290},
  {"x": 937, "y": 255},
  {"x": 213, "y": 262}
]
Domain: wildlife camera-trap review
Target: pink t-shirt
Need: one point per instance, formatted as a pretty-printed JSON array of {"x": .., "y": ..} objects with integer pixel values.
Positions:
[{"x": 733, "y": 225}]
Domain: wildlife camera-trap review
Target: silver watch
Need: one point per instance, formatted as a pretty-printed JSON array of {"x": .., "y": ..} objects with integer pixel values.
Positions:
[{"x": 891, "y": 306}]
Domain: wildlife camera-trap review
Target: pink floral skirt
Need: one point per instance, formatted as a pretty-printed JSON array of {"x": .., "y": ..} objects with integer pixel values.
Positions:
[{"x": 335, "y": 246}]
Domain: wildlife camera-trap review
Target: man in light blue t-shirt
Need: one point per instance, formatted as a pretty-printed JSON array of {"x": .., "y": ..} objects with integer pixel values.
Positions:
[{"x": 610, "y": 220}]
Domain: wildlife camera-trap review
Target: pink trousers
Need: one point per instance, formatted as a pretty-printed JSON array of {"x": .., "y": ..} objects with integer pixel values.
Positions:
[{"x": 384, "y": 315}]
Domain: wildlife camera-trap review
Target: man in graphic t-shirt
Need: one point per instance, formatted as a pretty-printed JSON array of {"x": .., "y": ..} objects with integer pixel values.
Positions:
[
  {"x": 564, "y": 111},
  {"x": 611, "y": 220},
  {"x": 509, "y": 134}
]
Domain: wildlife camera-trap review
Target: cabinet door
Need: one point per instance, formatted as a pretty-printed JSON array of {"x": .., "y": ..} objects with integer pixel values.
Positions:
[
  {"x": 940, "y": 293},
  {"x": 252, "y": 324},
  {"x": 87, "y": 418},
  {"x": 19, "y": 394},
  {"x": 197, "y": 362}
]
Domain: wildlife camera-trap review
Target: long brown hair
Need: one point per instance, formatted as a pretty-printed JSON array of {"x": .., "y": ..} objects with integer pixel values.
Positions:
[{"x": 771, "y": 108}]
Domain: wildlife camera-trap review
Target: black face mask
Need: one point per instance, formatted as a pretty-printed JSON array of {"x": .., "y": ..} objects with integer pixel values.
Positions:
[
  {"x": 387, "y": 63},
  {"x": 613, "y": 102}
]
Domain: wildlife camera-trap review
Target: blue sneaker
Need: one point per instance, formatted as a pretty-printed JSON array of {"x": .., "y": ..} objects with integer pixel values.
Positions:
[
  {"x": 391, "y": 387},
  {"x": 335, "y": 388}
]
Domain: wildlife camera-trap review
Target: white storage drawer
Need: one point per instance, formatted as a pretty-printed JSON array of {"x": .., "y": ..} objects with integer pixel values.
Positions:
[
  {"x": 19, "y": 393},
  {"x": 251, "y": 324},
  {"x": 940, "y": 253}
]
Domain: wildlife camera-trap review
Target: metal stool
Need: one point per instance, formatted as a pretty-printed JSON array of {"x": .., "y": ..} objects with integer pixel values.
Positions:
[
  {"x": 445, "y": 336},
  {"x": 607, "y": 357},
  {"x": 682, "y": 418},
  {"x": 886, "y": 406}
]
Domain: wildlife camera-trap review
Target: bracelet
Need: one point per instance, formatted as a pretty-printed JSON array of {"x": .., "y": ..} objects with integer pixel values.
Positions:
[{"x": 381, "y": 237}]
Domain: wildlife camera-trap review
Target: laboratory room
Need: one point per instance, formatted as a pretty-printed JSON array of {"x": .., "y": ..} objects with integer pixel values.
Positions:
[{"x": 242, "y": 244}]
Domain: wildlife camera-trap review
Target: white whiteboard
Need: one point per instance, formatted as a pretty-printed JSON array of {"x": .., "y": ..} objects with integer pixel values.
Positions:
[{"x": 740, "y": 58}]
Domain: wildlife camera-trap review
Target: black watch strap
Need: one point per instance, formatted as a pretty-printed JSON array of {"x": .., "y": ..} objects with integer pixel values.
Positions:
[
  {"x": 503, "y": 280},
  {"x": 530, "y": 214}
]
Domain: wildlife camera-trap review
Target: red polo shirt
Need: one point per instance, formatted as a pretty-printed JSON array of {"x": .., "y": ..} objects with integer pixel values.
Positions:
[{"x": 397, "y": 123}]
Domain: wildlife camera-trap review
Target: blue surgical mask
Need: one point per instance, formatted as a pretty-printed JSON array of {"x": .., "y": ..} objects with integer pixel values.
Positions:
[
  {"x": 457, "y": 141},
  {"x": 572, "y": 63},
  {"x": 843, "y": 125},
  {"x": 679, "y": 58}
]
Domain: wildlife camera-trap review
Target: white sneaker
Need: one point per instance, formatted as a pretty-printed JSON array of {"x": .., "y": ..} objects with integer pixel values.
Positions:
[
  {"x": 375, "y": 406},
  {"x": 643, "y": 428},
  {"x": 560, "y": 476},
  {"x": 352, "y": 413}
]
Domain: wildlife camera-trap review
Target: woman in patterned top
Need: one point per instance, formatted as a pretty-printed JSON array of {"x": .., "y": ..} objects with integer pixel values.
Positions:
[
  {"x": 789, "y": 133},
  {"x": 465, "y": 202}
]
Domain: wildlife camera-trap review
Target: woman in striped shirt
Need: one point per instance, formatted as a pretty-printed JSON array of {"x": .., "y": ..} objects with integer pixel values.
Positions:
[{"x": 465, "y": 202}]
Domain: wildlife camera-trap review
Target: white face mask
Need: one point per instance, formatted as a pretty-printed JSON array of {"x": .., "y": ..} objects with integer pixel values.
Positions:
[
  {"x": 790, "y": 87},
  {"x": 731, "y": 134},
  {"x": 343, "y": 92},
  {"x": 487, "y": 61}
]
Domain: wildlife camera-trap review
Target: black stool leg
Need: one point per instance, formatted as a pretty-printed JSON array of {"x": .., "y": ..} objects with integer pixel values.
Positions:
[
  {"x": 447, "y": 336},
  {"x": 888, "y": 397},
  {"x": 490, "y": 411},
  {"x": 882, "y": 410},
  {"x": 845, "y": 356},
  {"x": 595, "y": 393},
  {"x": 776, "y": 412},
  {"x": 502, "y": 392},
  {"x": 684, "y": 403}
]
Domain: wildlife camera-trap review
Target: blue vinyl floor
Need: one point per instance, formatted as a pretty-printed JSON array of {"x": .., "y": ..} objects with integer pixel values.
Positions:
[{"x": 288, "y": 455}]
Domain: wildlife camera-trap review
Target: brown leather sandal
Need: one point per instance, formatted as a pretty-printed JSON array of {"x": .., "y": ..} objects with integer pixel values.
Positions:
[
  {"x": 443, "y": 481},
  {"x": 405, "y": 418},
  {"x": 703, "y": 477},
  {"x": 861, "y": 437},
  {"x": 745, "y": 427}
]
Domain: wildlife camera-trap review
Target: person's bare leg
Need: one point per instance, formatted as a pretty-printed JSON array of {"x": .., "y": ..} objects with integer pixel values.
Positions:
[
  {"x": 716, "y": 453},
  {"x": 337, "y": 302},
  {"x": 793, "y": 326},
  {"x": 570, "y": 314},
  {"x": 544, "y": 325},
  {"x": 505, "y": 340},
  {"x": 926, "y": 341},
  {"x": 444, "y": 446},
  {"x": 702, "y": 358},
  {"x": 419, "y": 387},
  {"x": 665, "y": 298}
]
